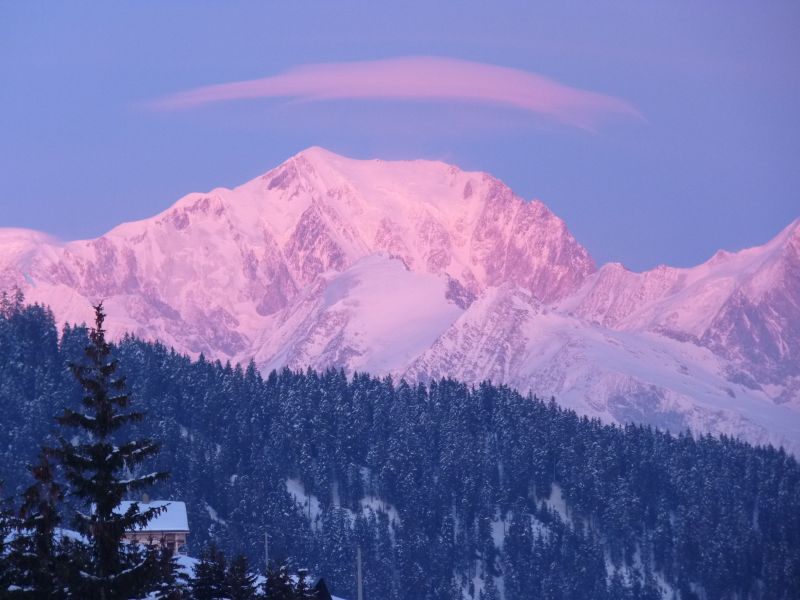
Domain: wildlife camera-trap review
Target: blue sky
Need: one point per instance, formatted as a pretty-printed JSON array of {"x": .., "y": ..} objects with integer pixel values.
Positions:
[{"x": 712, "y": 163}]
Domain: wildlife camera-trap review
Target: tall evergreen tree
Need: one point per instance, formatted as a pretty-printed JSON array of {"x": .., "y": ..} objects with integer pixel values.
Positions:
[
  {"x": 6, "y": 526},
  {"x": 302, "y": 589},
  {"x": 169, "y": 583},
  {"x": 99, "y": 468},
  {"x": 240, "y": 582},
  {"x": 279, "y": 585},
  {"x": 209, "y": 581},
  {"x": 37, "y": 558}
]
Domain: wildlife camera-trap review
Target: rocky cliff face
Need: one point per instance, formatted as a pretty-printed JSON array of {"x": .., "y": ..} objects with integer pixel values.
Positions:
[{"x": 419, "y": 269}]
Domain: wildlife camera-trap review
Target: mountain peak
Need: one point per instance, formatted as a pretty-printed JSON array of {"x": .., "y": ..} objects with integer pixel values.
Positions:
[
  {"x": 322, "y": 158},
  {"x": 791, "y": 232},
  {"x": 239, "y": 274},
  {"x": 17, "y": 242},
  {"x": 21, "y": 235},
  {"x": 318, "y": 154}
]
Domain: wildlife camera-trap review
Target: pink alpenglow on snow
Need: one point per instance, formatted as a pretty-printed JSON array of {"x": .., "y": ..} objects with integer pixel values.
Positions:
[
  {"x": 421, "y": 79},
  {"x": 419, "y": 270}
]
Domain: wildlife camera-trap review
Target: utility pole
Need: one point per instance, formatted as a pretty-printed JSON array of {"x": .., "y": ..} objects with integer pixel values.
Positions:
[
  {"x": 358, "y": 574},
  {"x": 266, "y": 554}
]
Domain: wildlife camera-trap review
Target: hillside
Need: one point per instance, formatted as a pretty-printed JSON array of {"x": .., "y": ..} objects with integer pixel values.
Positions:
[{"x": 447, "y": 488}]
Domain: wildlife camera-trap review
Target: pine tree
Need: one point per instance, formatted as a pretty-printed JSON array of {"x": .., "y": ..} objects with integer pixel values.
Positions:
[
  {"x": 279, "y": 585},
  {"x": 302, "y": 590},
  {"x": 98, "y": 470},
  {"x": 241, "y": 583},
  {"x": 6, "y": 526},
  {"x": 169, "y": 583},
  {"x": 490, "y": 591},
  {"x": 209, "y": 581},
  {"x": 37, "y": 559}
]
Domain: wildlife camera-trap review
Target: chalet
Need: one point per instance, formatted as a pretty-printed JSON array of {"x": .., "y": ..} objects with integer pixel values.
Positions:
[{"x": 169, "y": 528}]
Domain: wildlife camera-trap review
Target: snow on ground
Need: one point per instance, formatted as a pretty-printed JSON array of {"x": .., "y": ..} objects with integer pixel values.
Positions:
[
  {"x": 354, "y": 319},
  {"x": 312, "y": 507},
  {"x": 376, "y": 505},
  {"x": 214, "y": 516},
  {"x": 498, "y": 530},
  {"x": 477, "y": 585},
  {"x": 186, "y": 564},
  {"x": 308, "y": 502},
  {"x": 618, "y": 376},
  {"x": 557, "y": 503}
]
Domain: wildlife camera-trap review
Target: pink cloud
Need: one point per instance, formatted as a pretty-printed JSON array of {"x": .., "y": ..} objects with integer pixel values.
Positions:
[{"x": 418, "y": 78}]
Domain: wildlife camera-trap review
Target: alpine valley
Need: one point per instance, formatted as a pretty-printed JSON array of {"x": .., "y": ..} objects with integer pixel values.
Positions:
[{"x": 420, "y": 271}]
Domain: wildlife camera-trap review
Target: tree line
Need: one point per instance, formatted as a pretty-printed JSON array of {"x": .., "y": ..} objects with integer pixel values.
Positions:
[
  {"x": 447, "y": 488},
  {"x": 97, "y": 459}
]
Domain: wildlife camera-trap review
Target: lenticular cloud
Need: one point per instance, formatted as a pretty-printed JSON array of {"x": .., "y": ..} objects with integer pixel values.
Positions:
[{"x": 418, "y": 78}]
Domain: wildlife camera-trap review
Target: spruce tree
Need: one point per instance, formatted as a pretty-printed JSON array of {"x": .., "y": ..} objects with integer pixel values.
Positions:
[
  {"x": 209, "y": 581},
  {"x": 6, "y": 526},
  {"x": 169, "y": 583},
  {"x": 241, "y": 583},
  {"x": 99, "y": 470},
  {"x": 279, "y": 585},
  {"x": 302, "y": 589},
  {"x": 37, "y": 557}
]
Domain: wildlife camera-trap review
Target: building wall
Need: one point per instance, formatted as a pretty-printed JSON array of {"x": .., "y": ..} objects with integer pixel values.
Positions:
[{"x": 169, "y": 539}]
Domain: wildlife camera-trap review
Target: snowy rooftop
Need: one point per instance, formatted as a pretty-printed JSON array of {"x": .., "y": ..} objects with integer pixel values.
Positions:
[{"x": 172, "y": 519}]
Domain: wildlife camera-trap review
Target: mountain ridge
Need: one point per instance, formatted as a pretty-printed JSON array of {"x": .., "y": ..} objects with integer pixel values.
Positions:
[{"x": 416, "y": 268}]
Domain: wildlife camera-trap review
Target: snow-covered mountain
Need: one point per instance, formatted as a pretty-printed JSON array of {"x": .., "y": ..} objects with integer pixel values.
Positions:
[
  {"x": 419, "y": 269},
  {"x": 744, "y": 306}
]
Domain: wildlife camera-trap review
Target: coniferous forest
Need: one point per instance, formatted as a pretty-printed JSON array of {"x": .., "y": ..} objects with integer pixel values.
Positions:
[{"x": 447, "y": 489}]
